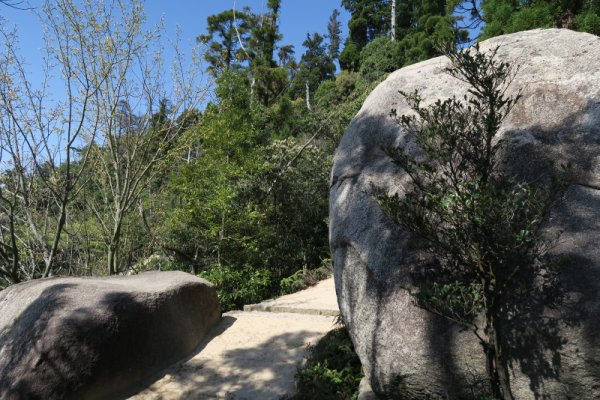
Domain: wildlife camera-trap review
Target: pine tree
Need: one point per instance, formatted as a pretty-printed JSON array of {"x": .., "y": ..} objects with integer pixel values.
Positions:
[
  {"x": 268, "y": 80},
  {"x": 315, "y": 67},
  {"x": 334, "y": 30},
  {"x": 508, "y": 16},
  {"x": 417, "y": 26},
  {"x": 369, "y": 19},
  {"x": 265, "y": 35},
  {"x": 423, "y": 24},
  {"x": 224, "y": 32}
]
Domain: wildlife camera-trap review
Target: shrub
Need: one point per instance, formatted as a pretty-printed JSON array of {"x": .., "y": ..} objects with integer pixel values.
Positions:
[
  {"x": 333, "y": 93},
  {"x": 588, "y": 22},
  {"x": 380, "y": 57},
  {"x": 481, "y": 225},
  {"x": 304, "y": 278},
  {"x": 333, "y": 370},
  {"x": 237, "y": 287}
]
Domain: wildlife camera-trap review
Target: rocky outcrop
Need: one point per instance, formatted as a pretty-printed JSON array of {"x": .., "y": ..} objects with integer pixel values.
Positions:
[
  {"x": 93, "y": 338},
  {"x": 411, "y": 354}
]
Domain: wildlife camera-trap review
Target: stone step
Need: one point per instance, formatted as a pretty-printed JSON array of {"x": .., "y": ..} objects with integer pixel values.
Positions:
[
  {"x": 249, "y": 355},
  {"x": 252, "y": 354},
  {"x": 316, "y": 300}
]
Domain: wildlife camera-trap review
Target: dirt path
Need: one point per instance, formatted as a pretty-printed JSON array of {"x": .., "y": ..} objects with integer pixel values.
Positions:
[{"x": 252, "y": 354}]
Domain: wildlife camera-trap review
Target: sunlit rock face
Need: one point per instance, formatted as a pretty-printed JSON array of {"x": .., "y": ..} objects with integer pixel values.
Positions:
[
  {"x": 97, "y": 338},
  {"x": 409, "y": 353}
]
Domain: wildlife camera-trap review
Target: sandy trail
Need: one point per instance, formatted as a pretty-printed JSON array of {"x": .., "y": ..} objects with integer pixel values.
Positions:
[{"x": 252, "y": 354}]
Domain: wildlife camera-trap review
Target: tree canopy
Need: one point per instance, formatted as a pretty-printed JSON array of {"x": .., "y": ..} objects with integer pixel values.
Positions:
[
  {"x": 508, "y": 16},
  {"x": 236, "y": 167}
]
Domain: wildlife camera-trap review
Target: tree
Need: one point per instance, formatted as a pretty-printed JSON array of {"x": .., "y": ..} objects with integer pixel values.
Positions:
[
  {"x": 393, "y": 21},
  {"x": 217, "y": 228},
  {"x": 420, "y": 26},
  {"x": 481, "y": 226},
  {"x": 507, "y": 16},
  {"x": 233, "y": 29},
  {"x": 265, "y": 35},
  {"x": 417, "y": 25},
  {"x": 286, "y": 55},
  {"x": 137, "y": 128},
  {"x": 380, "y": 57},
  {"x": 268, "y": 80},
  {"x": 315, "y": 67},
  {"x": 40, "y": 136},
  {"x": 334, "y": 30},
  {"x": 369, "y": 19}
]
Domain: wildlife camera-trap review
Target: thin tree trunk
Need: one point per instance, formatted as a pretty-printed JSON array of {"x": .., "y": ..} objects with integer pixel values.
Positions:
[
  {"x": 393, "y": 24},
  {"x": 496, "y": 361},
  {"x": 14, "y": 247},
  {"x": 59, "y": 229},
  {"x": 503, "y": 375},
  {"x": 113, "y": 247},
  {"x": 308, "y": 96},
  {"x": 112, "y": 250}
]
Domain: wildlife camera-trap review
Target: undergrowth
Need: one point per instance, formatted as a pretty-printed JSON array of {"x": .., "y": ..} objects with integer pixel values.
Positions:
[
  {"x": 332, "y": 371},
  {"x": 305, "y": 278}
]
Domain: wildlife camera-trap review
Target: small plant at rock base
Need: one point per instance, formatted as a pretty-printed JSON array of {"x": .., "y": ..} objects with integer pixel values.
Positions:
[
  {"x": 481, "y": 225},
  {"x": 306, "y": 277},
  {"x": 333, "y": 370},
  {"x": 237, "y": 287}
]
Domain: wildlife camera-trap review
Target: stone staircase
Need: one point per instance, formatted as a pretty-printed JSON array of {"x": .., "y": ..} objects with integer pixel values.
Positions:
[{"x": 252, "y": 354}]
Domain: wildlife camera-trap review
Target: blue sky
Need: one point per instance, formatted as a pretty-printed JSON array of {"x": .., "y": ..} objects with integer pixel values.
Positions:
[{"x": 298, "y": 17}]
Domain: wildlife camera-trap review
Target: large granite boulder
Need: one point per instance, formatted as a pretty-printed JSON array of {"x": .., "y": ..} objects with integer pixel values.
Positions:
[
  {"x": 94, "y": 338},
  {"x": 408, "y": 352}
]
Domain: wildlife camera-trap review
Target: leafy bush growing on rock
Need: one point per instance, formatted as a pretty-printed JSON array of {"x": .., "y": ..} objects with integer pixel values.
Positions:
[
  {"x": 480, "y": 224},
  {"x": 333, "y": 370}
]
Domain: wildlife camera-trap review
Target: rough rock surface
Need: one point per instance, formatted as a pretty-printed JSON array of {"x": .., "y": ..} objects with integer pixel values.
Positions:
[
  {"x": 409, "y": 353},
  {"x": 93, "y": 338}
]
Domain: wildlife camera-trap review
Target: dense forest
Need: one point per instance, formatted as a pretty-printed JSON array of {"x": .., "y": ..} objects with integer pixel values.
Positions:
[{"x": 144, "y": 166}]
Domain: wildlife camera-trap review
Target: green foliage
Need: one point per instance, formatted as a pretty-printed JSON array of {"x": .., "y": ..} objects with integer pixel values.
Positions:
[
  {"x": 224, "y": 50},
  {"x": 419, "y": 25},
  {"x": 265, "y": 35},
  {"x": 480, "y": 225},
  {"x": 304, "y": 278},
  {"x": 334, "y": 31},
  {"x": 509, "y": 16},
  {"x": 297, "y": 176},
  {"x": 369, "y": 19},
  {"x": 350, "y": 56},
  {"x": 334, "y": 92},
  {"x": 238, "y": 286},
  {"x": 240, "y": 199},
  {"x": 419, "y": 44},
  {"x": 315, "y": 66},
  {"x": 456, "y": 300},
  {"x": 380, "y": 57},
  {"x": 333, "y": 370},
  {"x": 269, "y": 83},
  {"x": 588, "y": 22}
]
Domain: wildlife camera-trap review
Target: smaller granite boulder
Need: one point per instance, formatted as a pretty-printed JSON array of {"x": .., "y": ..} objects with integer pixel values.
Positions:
[{"x": 95, "y": 338}]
